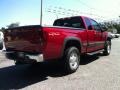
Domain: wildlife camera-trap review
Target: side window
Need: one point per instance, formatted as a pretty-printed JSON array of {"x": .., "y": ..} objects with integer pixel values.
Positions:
[
  {"x": 77, "y": 22},
  {"x": 95, "y": 25},
  {"x": 88, "y": 24}
]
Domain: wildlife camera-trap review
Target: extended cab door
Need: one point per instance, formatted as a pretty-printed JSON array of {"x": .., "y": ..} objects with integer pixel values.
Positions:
[
  {"x": 90, "y": 36},
  {"x": 99, "y": 41}
]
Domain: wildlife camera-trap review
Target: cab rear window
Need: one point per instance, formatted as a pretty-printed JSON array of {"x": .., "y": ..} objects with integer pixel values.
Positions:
[{"x": 75, "y": 22}]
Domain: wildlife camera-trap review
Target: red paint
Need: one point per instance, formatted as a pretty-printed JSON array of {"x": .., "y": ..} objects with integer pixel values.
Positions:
[{"x": 50, "y": 40}]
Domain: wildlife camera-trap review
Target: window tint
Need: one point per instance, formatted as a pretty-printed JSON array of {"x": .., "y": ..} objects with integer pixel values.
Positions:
[
  {"x": 75, "y": 22},
  {"x": 95, "y": 25},
  {"x": 87, "y": 21}
]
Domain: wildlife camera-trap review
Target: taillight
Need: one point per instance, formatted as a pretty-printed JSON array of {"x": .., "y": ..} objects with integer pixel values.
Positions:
[
  {"x": 43, "y": 37},
  {"x": 38, "y": 37}
]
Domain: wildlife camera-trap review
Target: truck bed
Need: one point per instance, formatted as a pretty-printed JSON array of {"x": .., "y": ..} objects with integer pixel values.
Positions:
[{"x": 25, "y": 38}]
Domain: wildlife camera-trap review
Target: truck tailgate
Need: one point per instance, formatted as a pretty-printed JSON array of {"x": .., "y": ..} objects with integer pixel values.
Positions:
[{"x": 26, "y": 38}]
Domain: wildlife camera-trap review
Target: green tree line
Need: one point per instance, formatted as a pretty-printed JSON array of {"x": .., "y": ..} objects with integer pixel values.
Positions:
[{"x": 112, "y": 25}]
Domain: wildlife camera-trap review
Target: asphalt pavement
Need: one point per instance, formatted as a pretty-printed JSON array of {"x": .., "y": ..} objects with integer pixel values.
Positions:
[{"x": 96, "y": 72}]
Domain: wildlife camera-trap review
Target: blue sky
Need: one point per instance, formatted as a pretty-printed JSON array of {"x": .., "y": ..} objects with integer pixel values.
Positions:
[
  {"x": 27, "y": 12},
  {"x": 21, "y": 11}
]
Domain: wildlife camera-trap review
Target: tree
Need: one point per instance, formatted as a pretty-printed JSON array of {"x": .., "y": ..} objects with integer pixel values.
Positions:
[
  {"x": 112, "y": 26},
  {"x": 117, "y": 26},
  {"x": 2, "y": 29},
  {"x": 12, "y": 25}
]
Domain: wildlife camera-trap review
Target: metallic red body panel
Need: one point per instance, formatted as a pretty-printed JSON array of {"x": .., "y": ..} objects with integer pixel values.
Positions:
[
  {"x": 50, "y": 40},
  {"x": 23, "y": 39},
  {"x": 56, "y": 37}
]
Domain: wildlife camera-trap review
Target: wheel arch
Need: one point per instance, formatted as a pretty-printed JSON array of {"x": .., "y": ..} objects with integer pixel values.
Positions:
[
  {"x": 71, "y": 41},
  {"x": 108, "y": 39}
]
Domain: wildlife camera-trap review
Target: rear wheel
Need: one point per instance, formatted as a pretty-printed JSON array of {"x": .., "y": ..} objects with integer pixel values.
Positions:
[
  {"x": 71, "y": 59},
  {"x": 10, "y": 56},
  {"x": 18, "y": 62},
  {"x": 107, "y": 48}
]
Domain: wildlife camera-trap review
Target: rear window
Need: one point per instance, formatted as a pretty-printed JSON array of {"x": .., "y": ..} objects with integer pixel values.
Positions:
[{"x": 75, "y": 22}]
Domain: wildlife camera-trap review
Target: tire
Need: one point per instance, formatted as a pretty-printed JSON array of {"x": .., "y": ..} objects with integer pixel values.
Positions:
[
  {"x": 18, "y": 63},
  {"x": 1, "y": 45},
  {"x": 71, "y": 59},
  {"x": 10, "y": 56},
  {"x": 107, "y": 48}
]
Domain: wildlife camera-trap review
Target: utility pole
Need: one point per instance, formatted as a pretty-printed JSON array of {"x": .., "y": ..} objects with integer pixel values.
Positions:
[{"x": 41, "y": 12}]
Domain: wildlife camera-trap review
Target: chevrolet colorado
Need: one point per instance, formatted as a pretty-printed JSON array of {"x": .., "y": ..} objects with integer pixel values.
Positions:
[{"x": 66, "y": 40}]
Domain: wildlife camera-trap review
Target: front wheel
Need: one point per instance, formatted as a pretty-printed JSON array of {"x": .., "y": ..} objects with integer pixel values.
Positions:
[
  {"x": 107, "y": 48},
  {"x": 71, "y": 59}
]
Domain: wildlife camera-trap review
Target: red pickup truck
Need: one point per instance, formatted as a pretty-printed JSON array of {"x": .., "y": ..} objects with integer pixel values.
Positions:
[{"x": 66, "y": 40}]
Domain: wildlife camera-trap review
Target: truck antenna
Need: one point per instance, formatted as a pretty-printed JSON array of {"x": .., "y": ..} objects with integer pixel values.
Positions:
[{"x": 41, "y": 12}]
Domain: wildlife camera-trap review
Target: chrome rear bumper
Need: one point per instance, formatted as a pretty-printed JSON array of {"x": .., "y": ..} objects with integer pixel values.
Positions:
[
  {"x": 26, "y": 57},
  {"x": 38, "y": 58}
]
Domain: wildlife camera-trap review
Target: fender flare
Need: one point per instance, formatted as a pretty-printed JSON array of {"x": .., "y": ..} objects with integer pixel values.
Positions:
[{"x": 66, "y": 40}]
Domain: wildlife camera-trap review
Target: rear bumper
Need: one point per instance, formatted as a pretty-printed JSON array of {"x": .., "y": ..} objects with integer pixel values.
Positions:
[
  {"x": 37, "y": 58},
  {"x": 24, "y": 57}
]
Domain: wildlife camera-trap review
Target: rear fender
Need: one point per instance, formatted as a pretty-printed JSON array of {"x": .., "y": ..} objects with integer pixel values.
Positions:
[{"x": 74, "y": 39}]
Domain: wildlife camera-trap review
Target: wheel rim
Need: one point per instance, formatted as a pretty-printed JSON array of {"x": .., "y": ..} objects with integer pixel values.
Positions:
[
  {"x": 108, "y": 48},
  {"x": 74, "y": 61}
]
